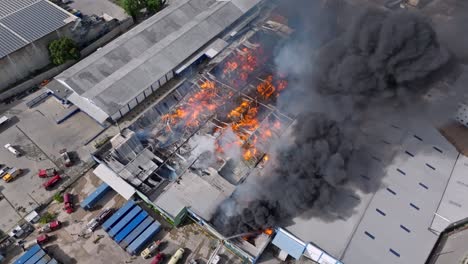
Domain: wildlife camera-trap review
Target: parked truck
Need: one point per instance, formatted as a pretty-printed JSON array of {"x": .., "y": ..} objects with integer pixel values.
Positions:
[
  {"x": 49, "y": 172},
  {"x": 49, "y": 227},
  {"x": 11, "y": 174},
  {"x": 13, "y": 150},
  {"x": 68, "y": 203}
]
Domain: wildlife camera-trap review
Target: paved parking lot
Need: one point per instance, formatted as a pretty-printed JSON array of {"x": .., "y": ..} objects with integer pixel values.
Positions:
[
  {"x": 99, "y": 7},
  {"x": 36, "y": 135},
  {"x": 67, "y": 247}
]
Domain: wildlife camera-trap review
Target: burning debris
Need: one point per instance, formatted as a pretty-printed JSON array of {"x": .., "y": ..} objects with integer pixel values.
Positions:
[{"x": 381, "y": 59}]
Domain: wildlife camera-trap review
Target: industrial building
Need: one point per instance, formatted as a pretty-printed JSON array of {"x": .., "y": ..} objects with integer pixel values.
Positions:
[
  {"x": 414, "y": 186},
  {"x": 26, "y": 29},
  {"x": 120, "y": 75}
]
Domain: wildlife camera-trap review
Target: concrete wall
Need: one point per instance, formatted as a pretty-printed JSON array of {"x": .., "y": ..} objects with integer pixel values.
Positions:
[
  {"x": 22, "y": 63},
  {"x": 27, "y": 61}
]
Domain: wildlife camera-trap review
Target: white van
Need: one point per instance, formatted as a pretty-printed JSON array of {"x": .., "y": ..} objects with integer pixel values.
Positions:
[{"x": 12, "y": 150}]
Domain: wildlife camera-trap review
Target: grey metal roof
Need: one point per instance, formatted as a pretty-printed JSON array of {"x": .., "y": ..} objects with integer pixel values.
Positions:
[
  {"x": 114, "y": 75},
  {"x": 27, "y": 21},
  {"x": 391, "y": 225},
  {"x": 8, "y": 7}
]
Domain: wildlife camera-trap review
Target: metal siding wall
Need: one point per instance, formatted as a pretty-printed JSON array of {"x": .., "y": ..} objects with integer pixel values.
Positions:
[
  {"x": 124, "y": 110},
  {"x": 132, "y": 103},
  {"x": 116, "y": 116},
  {"x": 170, "y": 75},
  {"x": 141, "y": 97},
  {"x": 162, "y": 81}
]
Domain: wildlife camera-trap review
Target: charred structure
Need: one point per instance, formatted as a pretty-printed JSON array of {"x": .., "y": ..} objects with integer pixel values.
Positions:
[{"x": 384, "y": 59}]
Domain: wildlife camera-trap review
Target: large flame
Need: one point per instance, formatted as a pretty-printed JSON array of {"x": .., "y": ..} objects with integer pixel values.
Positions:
[{"x": 202, "y": 102}]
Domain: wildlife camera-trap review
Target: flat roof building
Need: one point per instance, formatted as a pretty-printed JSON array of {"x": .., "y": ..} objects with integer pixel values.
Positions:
[{"x": 116, "y": 78}]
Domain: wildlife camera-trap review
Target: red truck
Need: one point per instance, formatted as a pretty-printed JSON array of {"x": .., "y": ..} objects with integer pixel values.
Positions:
[
  {"x": 49, "y": 227},
  {"x": 44, "y": 173},
  {"x": 158, "y": 259},
  {"x": 42, "y": 239},
  {"x": 51, "y": 183},
  {"x": 68, "y": 203}
]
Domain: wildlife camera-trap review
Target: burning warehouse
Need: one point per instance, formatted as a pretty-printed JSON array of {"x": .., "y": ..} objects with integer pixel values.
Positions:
[{"x": 263, "y": 139}]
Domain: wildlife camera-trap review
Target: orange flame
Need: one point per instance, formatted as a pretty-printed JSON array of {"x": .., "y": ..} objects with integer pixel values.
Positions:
[
  {"x": 268, "y": 231},
  {"x": 199, "y": 103}
]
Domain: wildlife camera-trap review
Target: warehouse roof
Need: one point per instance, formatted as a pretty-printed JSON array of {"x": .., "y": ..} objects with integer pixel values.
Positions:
[
  {"x": 123, "y": 69},
  {"x": 24, "y": 21},
  {"x": 392, "y": 224},
  {"x": 203, "y": 194}
]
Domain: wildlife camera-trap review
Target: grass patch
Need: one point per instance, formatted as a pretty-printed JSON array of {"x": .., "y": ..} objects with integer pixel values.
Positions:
[{"x": 46, "y": 218}]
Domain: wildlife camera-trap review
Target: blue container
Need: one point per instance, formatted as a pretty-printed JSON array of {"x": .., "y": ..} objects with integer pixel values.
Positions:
[
  {"x": 122, "y": 223},
  {"x": 44, "y": 260},
  {"x": 41, "y": 253},
  {"x": 31, "y": 252},
  {"x": 137, "y": 245},
  {"x": 118, "y": 215},
  {"x": 136, "y": 232},
  {"x": 131, "y": 226},
  {"x": 53, "y": 261},
  {"x": 94, "y": 197}
]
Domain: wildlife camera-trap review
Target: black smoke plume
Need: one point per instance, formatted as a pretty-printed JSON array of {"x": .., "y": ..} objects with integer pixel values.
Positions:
[{"x": 383, "y": 58}]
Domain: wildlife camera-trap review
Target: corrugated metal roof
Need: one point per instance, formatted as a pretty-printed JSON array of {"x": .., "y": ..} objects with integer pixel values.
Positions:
[
  {"x": 8, "y": 7},
  {"x": 9, "y": 42},
  {"x": 120, "y": 71},
  {"x": 24, "y": 21},
  {"x": 288, "y": 243}
]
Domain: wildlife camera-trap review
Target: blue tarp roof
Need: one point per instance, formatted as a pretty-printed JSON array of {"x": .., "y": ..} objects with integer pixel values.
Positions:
[{"x": 288, "y": 243}]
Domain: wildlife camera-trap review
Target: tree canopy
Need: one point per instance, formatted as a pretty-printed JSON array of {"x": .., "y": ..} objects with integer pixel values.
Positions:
[{"x": 62, "y": 50}]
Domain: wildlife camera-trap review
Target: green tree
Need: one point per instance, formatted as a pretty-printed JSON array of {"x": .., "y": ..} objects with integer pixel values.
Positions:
[
  {"x": 58, "y": 197},
  {"x": 154, "y": 5},
  {"x": 131, "y": 7},
  {"x": 62, "y": 50}
]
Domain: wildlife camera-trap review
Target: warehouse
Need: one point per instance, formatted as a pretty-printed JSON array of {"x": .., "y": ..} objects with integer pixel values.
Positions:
[
  {"x": 27, "y": 28},
  {"x": 116, "y": 78}
]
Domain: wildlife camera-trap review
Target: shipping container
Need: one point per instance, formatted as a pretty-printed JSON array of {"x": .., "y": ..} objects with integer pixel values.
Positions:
[
  {"x": 131, "y": 226},
  {"x": 95, "y": 196},
  {"x": 41, "y": 253},
  {"x": 122, "y": 223},
  {"x": 118, "y": 215},
  {"x": 144, "y": 238},
  {"x": 31, "y": 252},
  {"x": 136, "y": 232},
  {"x": 44, "y": 260},
  {"x": 53, "y": 261}
]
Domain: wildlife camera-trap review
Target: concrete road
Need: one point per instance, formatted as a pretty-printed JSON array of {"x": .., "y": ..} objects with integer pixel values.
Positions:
[{"x": 99, "y": 7}]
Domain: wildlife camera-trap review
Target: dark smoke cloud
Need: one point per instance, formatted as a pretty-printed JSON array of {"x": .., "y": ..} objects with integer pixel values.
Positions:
[{"x": 383, "y": 58}]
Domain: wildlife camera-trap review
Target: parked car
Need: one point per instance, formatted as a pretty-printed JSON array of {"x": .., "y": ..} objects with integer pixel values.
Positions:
[
  {"x": 52, "y": 182},
  {"x": 98, "y": 220},
  {"x": 177, "y": 256},
  {"x": 4, "y": 120},
  {"x": 68, "y": 203},
  {"x": 104, "y": 214},
  {"x": 49, "y": 227},
  {"x": 44, "y": 173},
  {"x": 150, "y": 250},
  {"x": 42, "y": 239},
  {"x": 4, "y": 171},
  {"x": 13, "y": 150},
  {"x": 215, "y": 260},
  {"x": 158, "y": 259},
  {"x": 65, "y": 156},
  {"x": 11, "y": 174}
]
